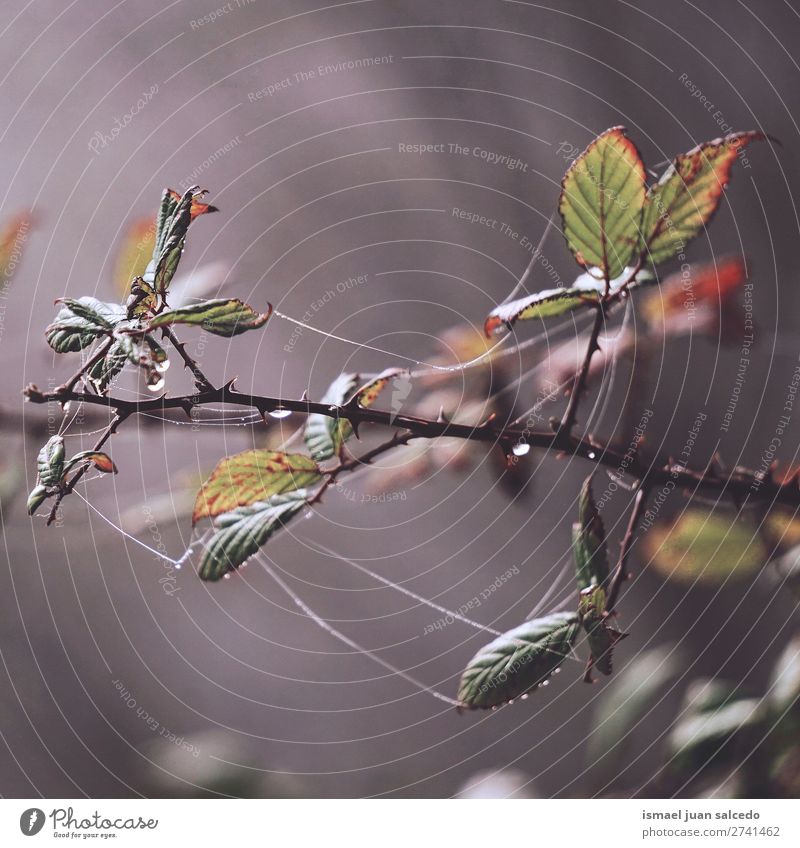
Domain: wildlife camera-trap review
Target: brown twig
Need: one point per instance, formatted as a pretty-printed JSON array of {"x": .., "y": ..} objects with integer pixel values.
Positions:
[{"x": 621, "y": 571}]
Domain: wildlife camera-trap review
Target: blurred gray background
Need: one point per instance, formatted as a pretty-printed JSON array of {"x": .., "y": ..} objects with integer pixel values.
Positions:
[{"x": 235, "y": 691}]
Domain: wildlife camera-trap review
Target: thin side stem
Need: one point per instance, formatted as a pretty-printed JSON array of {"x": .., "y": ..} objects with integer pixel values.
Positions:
[
  {"x": 201, "y": 381},
  {"x": 99, "y": 354},
  {"x": 621, "y": 571},
  {"x": 356, "y": 462},
  {"x": 579, "y": 386},
  {"x": 70, "y": 485}
]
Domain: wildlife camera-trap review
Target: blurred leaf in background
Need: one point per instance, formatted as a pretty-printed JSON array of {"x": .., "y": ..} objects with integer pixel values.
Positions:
[
  {"x": 212, "y": 763},
  {"x": 738, "y": 745},
  {"x": 626, "y": 702},
  {"x": 133, "y": 255},
  {"x": 497, "y": 783},
  {"x": 707, "y": 546}
]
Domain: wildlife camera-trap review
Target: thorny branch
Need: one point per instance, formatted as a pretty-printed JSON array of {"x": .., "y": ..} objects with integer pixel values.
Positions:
[{"x": 655, "y": 471}]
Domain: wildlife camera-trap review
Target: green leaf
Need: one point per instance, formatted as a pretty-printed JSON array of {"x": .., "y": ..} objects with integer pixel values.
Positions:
[
  {"x": 518, "y": 661},
  {"x": 240, "y": 533},
  {"x": 601, "y": 203},
  {"x": 323, "y": 434},
  {"x": 36, "y": 498},
  {"x": 221, "y": 317},
  {"x": 51, "y": 462},
  {"x": 80, "y": 322},
  {"x": 166, "y": 210},
  {"x": 90, "y": 310},
  {"x": 174, "y": 217},
  {"x": 680, "y": 205},
  {"x": 50, "y": 472},
  {"x": 589, "y": 541},
  {"x": 367, "y": 394},
  {"x": 253, "y": 475}
]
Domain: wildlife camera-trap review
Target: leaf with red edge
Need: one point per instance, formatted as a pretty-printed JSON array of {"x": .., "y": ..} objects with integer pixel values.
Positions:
[
  {"x": 586, "y": 291},
  {"x": 602, "y": 195},
  {"x": 368, "y": 393},
  {"x": 702, "y": 297},
  {"x": 683, "y": 201},
  {"x": 175, "y": 215},
  {"x": 222, "y": 317},
  {"x": 101, "y": 461},
  {"x": 549, "y": 303},
  {"x": 254, "y": 475},
  {"x": 198, "y": 207}
]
